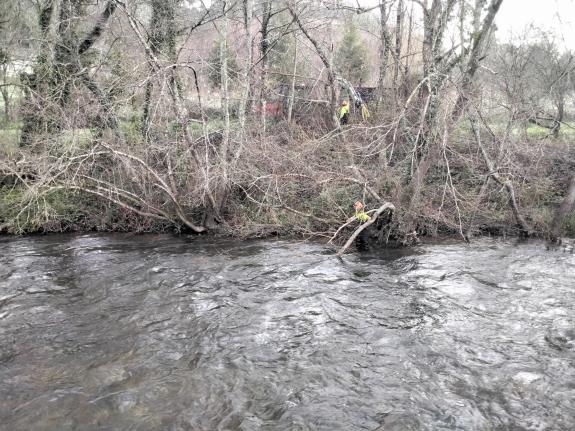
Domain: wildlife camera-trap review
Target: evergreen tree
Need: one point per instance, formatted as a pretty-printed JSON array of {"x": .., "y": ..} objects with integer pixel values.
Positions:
[
  {"x": 281, "y": 61},
  {"x": 351, "y": 57},
  {"x": 214, "y": 72}
]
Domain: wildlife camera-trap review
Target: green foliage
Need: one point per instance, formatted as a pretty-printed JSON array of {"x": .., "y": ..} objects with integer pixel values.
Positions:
[
  {"x": 162, "y": 29},
  {"x": 569, "y": 224},
  {"x": 351, "y": 57},
  {"x": 65, "y": 210},
  {"x": 131, "y": 129},
  {"x": 117, "y": 85},
  {"x": 57, "y": 211},
  {"x": 215, "y": 65},
  {"x": 281, "y": 61},
  {"x": 535, "y": 131}
]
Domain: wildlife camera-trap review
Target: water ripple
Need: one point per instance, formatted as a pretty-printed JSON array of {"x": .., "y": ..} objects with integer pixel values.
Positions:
[{"x": 161, "y": 332}]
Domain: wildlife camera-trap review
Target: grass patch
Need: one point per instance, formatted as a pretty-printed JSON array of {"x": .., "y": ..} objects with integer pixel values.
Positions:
[
  {"x": 212, "y": 125},
  {"x": 535, "y": 131}
]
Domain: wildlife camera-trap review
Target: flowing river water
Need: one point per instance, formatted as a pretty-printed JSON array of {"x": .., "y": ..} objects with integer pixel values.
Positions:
[{"x": 125, "y": 332}]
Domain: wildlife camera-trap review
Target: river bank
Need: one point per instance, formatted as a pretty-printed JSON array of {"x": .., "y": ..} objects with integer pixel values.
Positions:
[
  {"x": 80, "y": 213},
  {"x": 287, "y": 184}
]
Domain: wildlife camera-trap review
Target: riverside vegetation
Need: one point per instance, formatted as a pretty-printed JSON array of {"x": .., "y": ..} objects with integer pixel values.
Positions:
[{"x": 153, "y": 116}]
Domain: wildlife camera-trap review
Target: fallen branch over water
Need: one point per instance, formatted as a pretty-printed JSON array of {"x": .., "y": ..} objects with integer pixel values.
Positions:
[
  {"x": 378, "y": 212},
  {"x": 347, "y": 223}
]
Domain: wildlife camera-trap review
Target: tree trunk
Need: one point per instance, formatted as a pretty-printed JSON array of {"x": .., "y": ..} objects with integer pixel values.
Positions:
[
  {"x": 264, "y": 50},
  {"x": 331, "y": 75},
  {"x": 162, "y": 40},
  {"x": 59, "y": 65},
  {"x": 435, "y": 70},
  {"x": 398, "y": 46},
  {"x": 408, "y": 50},
  {"x": 108, "y": 115},
  {"x": 221, "y": 188},
  {"x": 492, "y": 172},
  {"x": 248, "y": 15},
  {"x": 565, "y": 208},
  {"x": 384, "y": 47},
  {"x": 224, "y": 80},
  {"x": 479, "y": 39},
  {"x": 435, "y": 20},
  {"x": 146, "y": 112},
  {"x": 181, "y": 115},
  {"x": 292, "y": 86},
  {"x": 559, "y": 117},
  {"x": 36, "y": 83},
  {"x": 6, "y": 98},
  {"x": 482, "y": 192}
]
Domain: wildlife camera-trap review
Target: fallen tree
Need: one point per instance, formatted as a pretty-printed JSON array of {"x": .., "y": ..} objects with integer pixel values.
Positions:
[{"x": 363, "y": 226}]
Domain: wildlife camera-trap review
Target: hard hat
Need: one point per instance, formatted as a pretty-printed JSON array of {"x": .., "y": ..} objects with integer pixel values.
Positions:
[{"x": 344, "y": 102}]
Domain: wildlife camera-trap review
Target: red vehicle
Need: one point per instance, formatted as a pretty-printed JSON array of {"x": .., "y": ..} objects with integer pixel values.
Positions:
[{"x": 273, "y": 109}]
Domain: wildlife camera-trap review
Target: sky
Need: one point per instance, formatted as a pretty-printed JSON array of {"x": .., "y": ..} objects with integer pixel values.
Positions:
[
  {"x": 514, "y": 16},
  {"x": 557, "y": 16}
]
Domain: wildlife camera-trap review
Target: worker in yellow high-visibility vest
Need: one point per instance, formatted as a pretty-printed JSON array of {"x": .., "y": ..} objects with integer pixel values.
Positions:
[
  {"x": 364, "y": 112},
  {"x": 360, "y": 213},
  {"x": 343, "y": 113}
]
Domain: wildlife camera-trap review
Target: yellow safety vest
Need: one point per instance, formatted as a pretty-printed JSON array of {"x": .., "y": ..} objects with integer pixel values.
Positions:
[
  {"x": 364, "y": 112},
  {"x": 343, "y": 110},
  {"x": 361, "y": 216}
]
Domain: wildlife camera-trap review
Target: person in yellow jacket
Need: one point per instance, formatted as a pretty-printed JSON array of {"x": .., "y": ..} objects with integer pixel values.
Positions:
[
  {"x": 362, "y": 241},
  {"x": 364, "y": 112},
  {"x": 343, "y": 113},
  {"x": 360, "y": 213}
]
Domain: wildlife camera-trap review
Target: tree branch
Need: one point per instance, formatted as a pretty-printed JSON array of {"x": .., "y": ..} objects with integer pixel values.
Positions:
[{"x": 381, "y": 209}]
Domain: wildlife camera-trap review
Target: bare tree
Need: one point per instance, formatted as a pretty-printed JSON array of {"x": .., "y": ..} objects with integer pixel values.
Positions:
[
  {"x": 124, "y": 112},
  {"x": 55, "y": 75},
  {"x": 384, "y": 48}
]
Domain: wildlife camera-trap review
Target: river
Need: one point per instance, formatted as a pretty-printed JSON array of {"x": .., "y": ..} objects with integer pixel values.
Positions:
[{"x": 156, "y": 332}]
